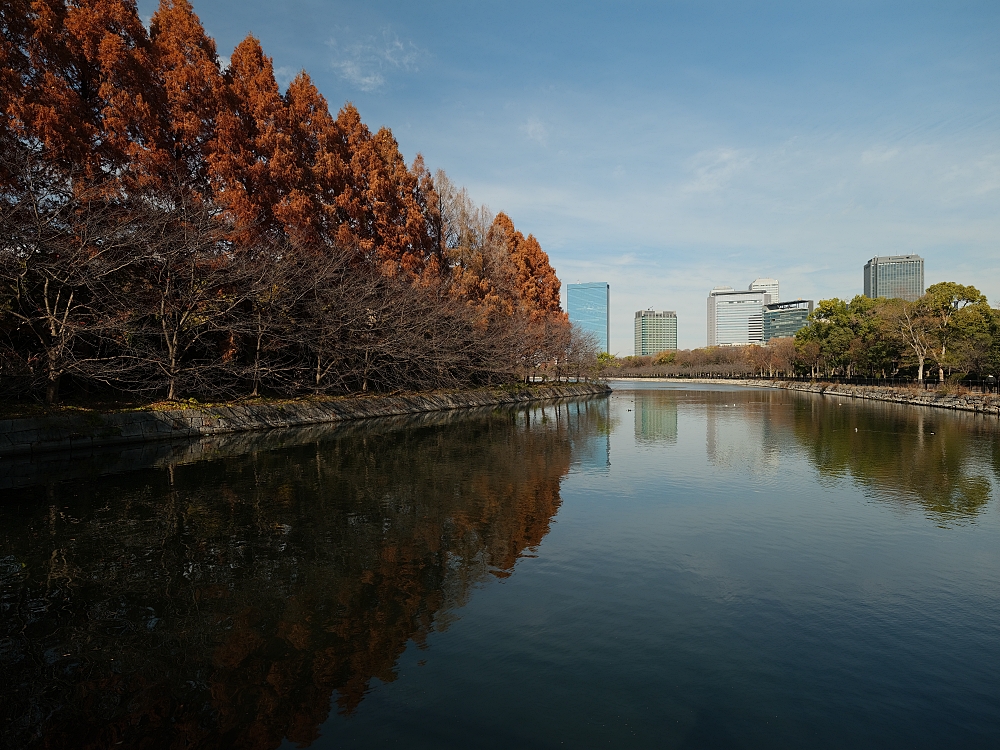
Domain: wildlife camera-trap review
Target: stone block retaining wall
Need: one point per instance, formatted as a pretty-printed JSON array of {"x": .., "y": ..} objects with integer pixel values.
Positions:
[
  {"x": 983, "y": 403},
  {"x": 89, "y": 430}
]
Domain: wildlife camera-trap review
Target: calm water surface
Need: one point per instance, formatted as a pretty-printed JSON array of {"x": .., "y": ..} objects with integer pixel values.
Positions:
[{"x": 662, "y": 568}]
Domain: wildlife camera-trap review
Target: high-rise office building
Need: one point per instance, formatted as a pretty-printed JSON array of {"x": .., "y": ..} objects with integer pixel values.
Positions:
[
  {"x": 736, "y": 317},
  {"x": 895, "y": 276},
  {"x": 655, "y": 332},
  {"x": 786, "y": 318},
  {"x": 768, "y": 286},
  {"x": 588, "y": 307}
]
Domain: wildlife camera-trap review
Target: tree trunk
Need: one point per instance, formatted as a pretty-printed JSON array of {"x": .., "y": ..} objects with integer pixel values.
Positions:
[
  {"x": 52, "y": 390},
  {"x": 256, "y": 359},
  {"x": 52, "y": 386}
]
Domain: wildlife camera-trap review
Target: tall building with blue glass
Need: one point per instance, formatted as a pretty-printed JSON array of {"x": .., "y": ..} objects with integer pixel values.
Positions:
[
  {"x": 784, "y": 319},
  {"x": 588, "y": 306}
]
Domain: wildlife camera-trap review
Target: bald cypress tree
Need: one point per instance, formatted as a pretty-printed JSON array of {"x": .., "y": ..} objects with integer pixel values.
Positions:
[
  {"x": 111, "y": 70},
  {"x": 186, "y": 65},
  {"x": 253, "y": 164},
  {"x": 309, "y": 210},
  {"x": 135, "y": 139}
]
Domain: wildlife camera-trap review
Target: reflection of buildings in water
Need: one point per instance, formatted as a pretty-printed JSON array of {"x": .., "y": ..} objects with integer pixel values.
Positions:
[
  {"x": 592, "y": 440},
  {"x": 655, "y": 417},
  {"x": 593, "y": 452},
  {"x": 287, "y": 575},
  {"x": 739, "y": 435}
]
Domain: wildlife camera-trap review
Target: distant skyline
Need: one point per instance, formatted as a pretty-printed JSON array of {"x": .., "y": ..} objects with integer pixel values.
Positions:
[{"x": 669, "y": 148}]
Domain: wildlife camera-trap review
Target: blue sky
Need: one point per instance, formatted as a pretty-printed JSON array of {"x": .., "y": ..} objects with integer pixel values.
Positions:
[{"x": 671, "y": 147}]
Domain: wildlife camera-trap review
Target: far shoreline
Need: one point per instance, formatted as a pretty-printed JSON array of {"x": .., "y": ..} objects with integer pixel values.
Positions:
[{"x": 980, "y": 403}]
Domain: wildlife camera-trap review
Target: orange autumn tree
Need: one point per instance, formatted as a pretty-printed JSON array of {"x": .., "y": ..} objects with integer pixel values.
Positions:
[
  {"x": 15, "y": 70},
  {"x": 89, "y": 100},
  {"x": 535, "y": 283},
  {"x": 253, "y": 165},
  {"x": 147, "y": 132},
  {"x": 108, "y": 39},
  {"x": 309, "y": 211},
  {"x": 46, "y": 102},
  {"x": 187, "y": 67},
  {"x": 426, "y": 197},
  {"x": 401, "y": 236},
  {"x": 382, "y": 202},
  {"x": 516, "y": 272}
]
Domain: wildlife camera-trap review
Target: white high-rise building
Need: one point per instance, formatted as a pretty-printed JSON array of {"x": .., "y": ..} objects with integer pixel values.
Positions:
[
  {"x": 768, "y": 286},
  {"x": 736, "y": 317}
]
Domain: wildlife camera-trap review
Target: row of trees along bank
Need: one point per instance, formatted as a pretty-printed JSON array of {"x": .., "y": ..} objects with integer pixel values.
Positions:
[
  {"x": 950, "y": 331},
  {"x": 172, "y": 228}
]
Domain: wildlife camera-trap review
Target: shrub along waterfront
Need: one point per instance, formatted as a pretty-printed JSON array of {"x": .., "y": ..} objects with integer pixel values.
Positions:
[
  {"x": 951, "y": 331},
  {"x": 172, "y": 228}
]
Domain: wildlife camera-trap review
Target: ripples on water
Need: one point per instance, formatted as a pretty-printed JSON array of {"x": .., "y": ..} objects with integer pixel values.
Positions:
[{"x": 663, "y": 568}]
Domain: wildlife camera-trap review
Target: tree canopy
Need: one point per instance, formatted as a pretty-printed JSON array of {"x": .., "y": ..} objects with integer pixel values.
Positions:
[{"x": 234, "y": 200}]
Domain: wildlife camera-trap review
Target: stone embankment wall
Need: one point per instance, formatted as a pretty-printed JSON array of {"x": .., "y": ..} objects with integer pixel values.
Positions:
[
  {"x": 91, "y": 429},
  {"x": 983, "y": 403}
]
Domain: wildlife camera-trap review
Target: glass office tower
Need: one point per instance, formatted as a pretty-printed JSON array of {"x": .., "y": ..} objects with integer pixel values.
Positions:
[
  {"x": 655, "y": 332},
  {"x": 588, "y": 307},
  {"x": 786, "y": 318},
  {"x": 895, "y": 276}
]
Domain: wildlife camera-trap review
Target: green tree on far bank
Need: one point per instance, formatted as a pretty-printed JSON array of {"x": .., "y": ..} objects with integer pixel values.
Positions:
[
  {"x": 955, "y": 314},
  {"x": 849, "y": 337},
  {"x": 951, "y": 327}
]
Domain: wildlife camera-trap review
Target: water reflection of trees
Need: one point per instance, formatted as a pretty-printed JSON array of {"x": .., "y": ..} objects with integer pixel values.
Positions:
[
  {"x": 903, "y": 454},
  {"x": 897, "y": 453},
  {"x": 223, "y": 602}
]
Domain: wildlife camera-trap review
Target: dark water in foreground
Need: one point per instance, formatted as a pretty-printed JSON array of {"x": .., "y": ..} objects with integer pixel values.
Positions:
[{"x": 664, "y": 568}]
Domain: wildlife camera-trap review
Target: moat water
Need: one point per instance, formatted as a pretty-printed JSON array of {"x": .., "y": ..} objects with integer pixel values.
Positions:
[{"x": 663, "y": 568}]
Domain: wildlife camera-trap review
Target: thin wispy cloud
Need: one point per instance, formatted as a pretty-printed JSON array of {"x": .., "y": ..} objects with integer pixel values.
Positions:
[
  {"x": 713, "y": 170},
  {"x": 536, "y": 131},
  {"x": 367, "y": 62},
  {"x": 979, "y": 176},
  {"x": 284, "y": 75},
  {"x": 878, "y": 155}
]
